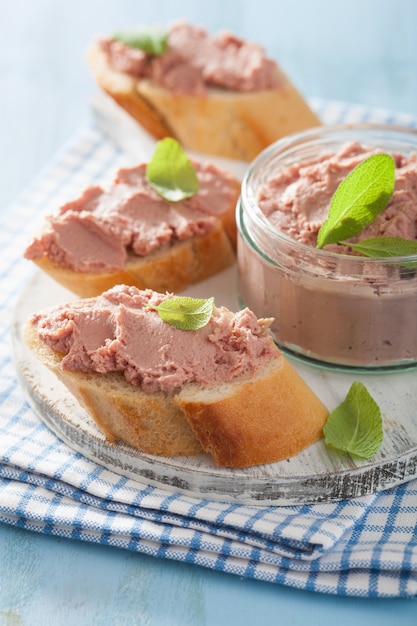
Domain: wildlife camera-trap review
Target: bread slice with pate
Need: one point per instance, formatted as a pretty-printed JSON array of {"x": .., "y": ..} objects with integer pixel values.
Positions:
[
  {"x": 223, "y": 388},
  {"x": 126, "y": 233},
  {"x": 216, "y": 94},
  {"x": 170, "y": 268}
]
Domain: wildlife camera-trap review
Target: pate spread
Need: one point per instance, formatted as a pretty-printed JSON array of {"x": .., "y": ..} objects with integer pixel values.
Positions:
[
  {"x": 196, "y": 60},
  {"x": 334, "y": 308},
  {"x": 97, "y": 231},
  {"x": 118, "y": 332},
  {"x": 297, "y": 200}
]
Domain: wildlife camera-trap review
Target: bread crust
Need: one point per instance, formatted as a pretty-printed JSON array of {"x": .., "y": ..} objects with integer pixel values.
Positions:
[
  {"x": 170, "y": 268},
  {"x": 225, "y": 123},
  {"x": 260, "y": 419},
  {"x": 122, "y": 88}
]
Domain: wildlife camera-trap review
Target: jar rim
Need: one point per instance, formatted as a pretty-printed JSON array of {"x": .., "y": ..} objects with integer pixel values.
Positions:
[{"x": 338, "y": 133}]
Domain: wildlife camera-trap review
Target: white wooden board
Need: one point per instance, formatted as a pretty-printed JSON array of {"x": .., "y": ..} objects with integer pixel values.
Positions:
[{"x": 318, "y": 474}]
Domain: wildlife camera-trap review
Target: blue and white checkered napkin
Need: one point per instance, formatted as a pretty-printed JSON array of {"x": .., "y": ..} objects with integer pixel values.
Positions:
[{"x": 363, "y": 547}]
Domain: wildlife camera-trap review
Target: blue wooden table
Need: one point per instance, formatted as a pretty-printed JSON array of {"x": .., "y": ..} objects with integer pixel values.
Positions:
[{"x": 364, "y": 52}]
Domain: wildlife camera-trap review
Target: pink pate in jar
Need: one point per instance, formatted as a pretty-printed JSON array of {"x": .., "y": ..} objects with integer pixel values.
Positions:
[{"x": 331, "y": 307}]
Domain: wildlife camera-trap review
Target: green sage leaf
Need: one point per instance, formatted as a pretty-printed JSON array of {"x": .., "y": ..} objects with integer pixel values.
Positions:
[
  {"x": 355, "y": 426},
  {"x": 186, "y": 313},
  {"x": 170, "y": 172},
  {"x": 377, "y": 247},
  {"x": 360, "y": 197},
  {"x": 153, "y": 41}
]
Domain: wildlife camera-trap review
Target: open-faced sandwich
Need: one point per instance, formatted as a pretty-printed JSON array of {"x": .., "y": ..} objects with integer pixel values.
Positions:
[
  {"x": 163, "y": 225},
  {"x": 216, "y": 94},
  {"x": 176, "y": 376}
]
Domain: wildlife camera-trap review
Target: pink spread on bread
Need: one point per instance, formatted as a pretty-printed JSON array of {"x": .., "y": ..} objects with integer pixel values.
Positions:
[
  {"x": 103, "y": 334},
  {"x": 196, "y": 60},
  {"x": 96, "y": 231}
]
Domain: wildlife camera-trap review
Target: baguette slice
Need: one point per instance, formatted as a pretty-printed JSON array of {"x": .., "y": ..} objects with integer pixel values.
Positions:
[
  {"x": 151, "y": 423},
  {"x": 258, "y": 418},
  {"x": 170, "y": 268},
  {"x": 226, "y": 123}
]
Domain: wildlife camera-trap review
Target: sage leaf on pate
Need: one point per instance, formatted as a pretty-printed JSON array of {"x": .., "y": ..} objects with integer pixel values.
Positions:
[
  {"x": 377, "y": 247},
  {"x": 186, "y": 313},
  {"x": 151, "y": 40},
  {"x": 359, "y": 198},
  {"x": 170, "y": 172}
]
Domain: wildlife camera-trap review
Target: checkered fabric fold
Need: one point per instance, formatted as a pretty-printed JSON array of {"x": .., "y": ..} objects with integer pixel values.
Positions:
[{"x": 362, "y": 547}]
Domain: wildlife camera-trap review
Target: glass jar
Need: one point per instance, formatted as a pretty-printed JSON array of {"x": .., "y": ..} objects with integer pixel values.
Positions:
[{"x": 334, "y": 310}]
